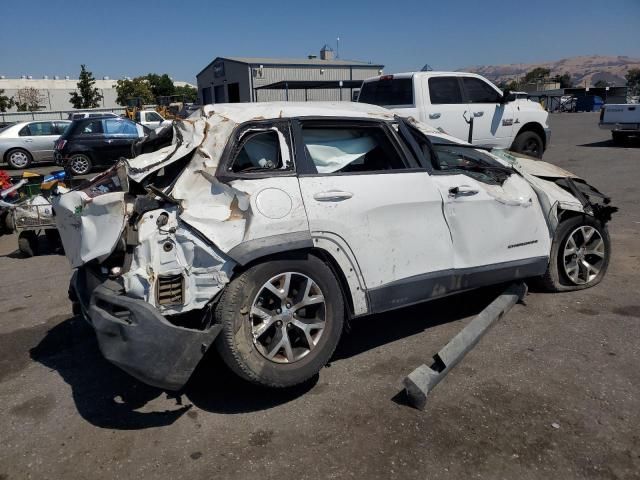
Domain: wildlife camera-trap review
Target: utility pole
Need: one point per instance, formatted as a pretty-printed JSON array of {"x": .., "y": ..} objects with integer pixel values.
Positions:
[{"x": 338, "y": 47}]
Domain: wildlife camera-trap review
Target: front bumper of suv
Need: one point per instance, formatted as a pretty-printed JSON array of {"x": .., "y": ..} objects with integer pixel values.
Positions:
[{"x": 135, "y": 336}]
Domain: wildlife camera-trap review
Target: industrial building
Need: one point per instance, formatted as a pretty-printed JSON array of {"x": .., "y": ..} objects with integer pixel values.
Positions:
[
  {"x": 255, "y": 79},
  {"x": 54, "y": 92}
]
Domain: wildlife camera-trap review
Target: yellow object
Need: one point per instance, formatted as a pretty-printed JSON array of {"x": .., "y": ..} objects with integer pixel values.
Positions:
[{"x": 30, "y": 174}]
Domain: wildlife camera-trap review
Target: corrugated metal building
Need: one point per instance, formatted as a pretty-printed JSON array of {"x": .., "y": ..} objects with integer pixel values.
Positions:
[{"x": 255, "y": 79}]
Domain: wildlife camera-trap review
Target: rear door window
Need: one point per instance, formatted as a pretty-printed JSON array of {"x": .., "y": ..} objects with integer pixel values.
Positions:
[
  {"x": 41, "y": 128},
  {"x": 259, "y": 151},
  {"x": 387, "y": 92},
  {"x": 444, "y": 90},
  {"x": 479, "y": 91}
]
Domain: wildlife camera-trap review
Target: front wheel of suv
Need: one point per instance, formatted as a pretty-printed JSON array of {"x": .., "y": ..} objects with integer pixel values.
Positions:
[
  {"x": 281, "y": 321},
  {"x": 580, "y": 255}
]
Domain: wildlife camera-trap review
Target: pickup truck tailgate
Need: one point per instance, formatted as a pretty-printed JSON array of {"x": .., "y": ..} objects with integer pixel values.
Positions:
[{"x": 622, "y": 113}]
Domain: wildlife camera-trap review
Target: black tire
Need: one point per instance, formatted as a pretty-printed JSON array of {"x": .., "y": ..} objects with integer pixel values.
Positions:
[
  {"x": 80, "y": 164},
  {"x": 235, "y": 342},
  {"x": 555, "y": 278},
  {"x": 28, "y": 243},
  {"x": 619, "y": 138},
  {"x": 529, "y": 143},
  {"x": 19, "y": 158}
]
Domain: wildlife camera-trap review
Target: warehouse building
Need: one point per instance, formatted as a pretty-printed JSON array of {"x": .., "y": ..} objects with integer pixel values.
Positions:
[{"x": 255, "y": 79}]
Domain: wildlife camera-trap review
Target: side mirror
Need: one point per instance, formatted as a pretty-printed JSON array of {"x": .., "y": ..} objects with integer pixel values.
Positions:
[{"x": 508, "y": 96}]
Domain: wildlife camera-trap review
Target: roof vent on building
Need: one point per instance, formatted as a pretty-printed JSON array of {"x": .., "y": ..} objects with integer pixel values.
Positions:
[
  {"x": 312, "y": 57},
  {"x": 326, "y": 53}
]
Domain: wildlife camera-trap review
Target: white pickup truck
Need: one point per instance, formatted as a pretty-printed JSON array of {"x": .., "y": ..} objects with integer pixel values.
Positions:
[
  {"x": 622, "y": 119},
  {"x": 464, "y": 105}
]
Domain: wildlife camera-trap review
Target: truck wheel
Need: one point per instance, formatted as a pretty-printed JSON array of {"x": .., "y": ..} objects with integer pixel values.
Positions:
[
  {"x": 19, "y": 158},
  {"x": 618, "y": 137},
  {"x": 28, "y": 243},
  {"x": 529, "y": 143},
  {"x": 281, "y": 321},
  {"x": 579, "y": 256}
]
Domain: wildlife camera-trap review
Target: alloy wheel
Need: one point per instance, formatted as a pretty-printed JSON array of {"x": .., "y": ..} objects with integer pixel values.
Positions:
[
  {"x": 79, "y": 164},
  {"x": 288, "y": 317},
  {"x": 583, "y": 254}
]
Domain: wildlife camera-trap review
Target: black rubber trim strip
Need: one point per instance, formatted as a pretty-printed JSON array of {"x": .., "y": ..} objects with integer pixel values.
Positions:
[{"x": 251, "y": 250}]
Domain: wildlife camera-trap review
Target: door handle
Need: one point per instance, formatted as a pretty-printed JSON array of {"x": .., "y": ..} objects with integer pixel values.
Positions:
[
  {"x": 28, "y": 140},
  {"x": 462, "y": 191},
  {"x": 478, "y": 114},
  {"x": 332, "y": 196},
  {"x": 434, "y": 116}
]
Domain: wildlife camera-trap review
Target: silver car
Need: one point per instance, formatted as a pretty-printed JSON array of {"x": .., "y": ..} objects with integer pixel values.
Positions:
[{"x": 27, "y": 142}]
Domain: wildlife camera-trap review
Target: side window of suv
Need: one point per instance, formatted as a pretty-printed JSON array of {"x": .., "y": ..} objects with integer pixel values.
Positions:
[
  {"x": 259, "y": 151},
  {"x": 479, "y": 91},
  {"x": 444, "y": 90},
  {"x": 342, "y": 149}
]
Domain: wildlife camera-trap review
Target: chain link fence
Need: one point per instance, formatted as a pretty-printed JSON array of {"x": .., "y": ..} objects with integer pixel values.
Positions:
[{"x": 52, "y": 115}]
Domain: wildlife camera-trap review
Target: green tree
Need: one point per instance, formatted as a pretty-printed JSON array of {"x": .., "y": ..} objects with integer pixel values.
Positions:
[
  {"x": 89, "y": 96},
  {"x": 138, "y": 87},
  {"x": 601, "y": 84},
  {"x": 189, "y": 93},
  {"x": 564, "y": 80},
  {"x": 633, "y": 81},
  {"x": 5, "y": 102},
  {"x": 538, "y": 73},
  {"x": 28, "y": 99},
  {"x": 161, "y": 85}
]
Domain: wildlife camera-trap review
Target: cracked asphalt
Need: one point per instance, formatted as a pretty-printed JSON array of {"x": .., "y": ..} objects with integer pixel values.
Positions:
[{"x": 552, "y": 391}]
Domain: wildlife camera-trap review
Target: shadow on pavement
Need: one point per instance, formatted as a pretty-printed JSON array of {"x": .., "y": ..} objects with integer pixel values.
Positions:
[
  {"x": 631, "y": 142},
  {"x": 107, "y": 397}
]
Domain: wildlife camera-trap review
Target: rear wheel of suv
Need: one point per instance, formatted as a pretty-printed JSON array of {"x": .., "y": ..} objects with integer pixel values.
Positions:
[
  {"x": 80, "y": 164},
  {"x": 281, "y": 321},
  {"x": 19, "y": 158},
  {"x": 579, "y": 256},
  {"x": 529, "y": 143}
]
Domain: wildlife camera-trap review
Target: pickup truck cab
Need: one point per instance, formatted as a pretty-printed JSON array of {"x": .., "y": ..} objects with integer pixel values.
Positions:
[
  {"x": 622, "y": 119},
  {"x": 464, "y": 105},
  {"x": 150, "y": 119}
]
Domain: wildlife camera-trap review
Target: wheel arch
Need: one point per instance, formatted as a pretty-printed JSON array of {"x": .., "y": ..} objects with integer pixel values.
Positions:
[
  {"x": 5, "y": 157},
  {"x": 291, "y": 246},
  {"x": 534, "y": 127}
]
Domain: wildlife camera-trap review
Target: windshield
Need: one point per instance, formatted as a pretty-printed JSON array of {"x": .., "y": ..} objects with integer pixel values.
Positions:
[{"x": 387, "y": 92}]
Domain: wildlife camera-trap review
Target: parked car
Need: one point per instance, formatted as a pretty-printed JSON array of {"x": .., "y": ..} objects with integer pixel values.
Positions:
[
  {"x": 265, "y": 226},
  {"x": 150, "y": 119},
  {"x": 622, "y": 119},
  {"x": 25, "y": 142},
  {"x": 465, "y": 105},
  {"x": 81, "y": 115},
  {"x": 100, "y": 141}
]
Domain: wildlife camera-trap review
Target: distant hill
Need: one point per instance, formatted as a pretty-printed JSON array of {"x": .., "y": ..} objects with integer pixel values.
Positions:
[{"x": 585, "y": 68}]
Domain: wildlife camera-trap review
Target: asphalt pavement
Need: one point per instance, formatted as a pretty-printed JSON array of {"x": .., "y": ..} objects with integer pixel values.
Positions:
[{"x": 552, "y": 391}]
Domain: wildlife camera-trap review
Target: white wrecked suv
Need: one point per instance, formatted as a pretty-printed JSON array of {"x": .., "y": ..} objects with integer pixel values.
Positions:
[{"x": 264, "y": 226}]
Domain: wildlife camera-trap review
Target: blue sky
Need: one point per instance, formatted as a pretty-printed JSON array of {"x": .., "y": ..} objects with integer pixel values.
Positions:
[{"x": 118, "y": 38}]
